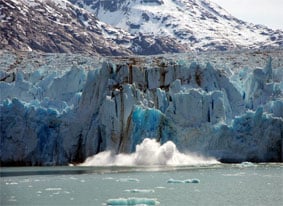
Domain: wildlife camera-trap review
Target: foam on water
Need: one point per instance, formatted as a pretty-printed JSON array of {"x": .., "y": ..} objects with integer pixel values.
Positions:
[{"x": 149, "y": 152}]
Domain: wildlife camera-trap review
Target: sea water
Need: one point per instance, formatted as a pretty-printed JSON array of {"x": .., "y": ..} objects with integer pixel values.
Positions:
[{"x": 219, "y": 184}]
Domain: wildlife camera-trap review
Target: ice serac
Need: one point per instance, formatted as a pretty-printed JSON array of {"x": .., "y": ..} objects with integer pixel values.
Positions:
[{"x": 54, "y": 117}]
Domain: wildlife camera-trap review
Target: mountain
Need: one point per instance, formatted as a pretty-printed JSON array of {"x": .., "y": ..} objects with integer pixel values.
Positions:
[
  {"x": 125, "y": 27},
  {"x": 199, "y": 24},
  {"x": 58, "y": 26}
]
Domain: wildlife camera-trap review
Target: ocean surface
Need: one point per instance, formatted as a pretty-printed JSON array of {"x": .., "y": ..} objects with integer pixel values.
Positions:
[{"x": 219, "y": 184}]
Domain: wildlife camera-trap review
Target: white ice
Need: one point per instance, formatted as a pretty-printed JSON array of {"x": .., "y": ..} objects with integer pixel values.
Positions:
[{"x": 132, "y": 201}]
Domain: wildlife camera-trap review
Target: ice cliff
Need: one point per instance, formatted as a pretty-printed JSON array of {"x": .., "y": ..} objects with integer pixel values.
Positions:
[{"x": 61, "y": 109}]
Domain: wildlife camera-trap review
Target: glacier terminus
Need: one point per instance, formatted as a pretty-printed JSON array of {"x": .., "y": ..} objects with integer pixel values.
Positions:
[{"x": 58, "y": 109}]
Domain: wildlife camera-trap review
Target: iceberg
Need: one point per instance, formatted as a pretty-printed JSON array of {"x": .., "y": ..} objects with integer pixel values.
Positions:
[{"x": 56, "y": 112}]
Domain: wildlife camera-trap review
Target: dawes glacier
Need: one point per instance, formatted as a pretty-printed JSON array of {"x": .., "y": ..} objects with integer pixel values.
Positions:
[{"x": 58, "y": 109}]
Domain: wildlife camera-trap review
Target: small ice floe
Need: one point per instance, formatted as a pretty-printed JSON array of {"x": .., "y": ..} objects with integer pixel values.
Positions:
[
  {"x": 183, "y": 181},
  {"x": 25, "y": 181},
  {"x": 160, "y": 187},
  {"x": 53, "y": 189},
  {"x": 108, "y": 178},
  {"x": 12, "y": 199},
  {"x": 128, "y": 180},
  {"x": 238, "y": 174},
  {"x": 175, "y": 181},
  {"x": 11, "y": 183},
  {"x": 247, "y": 164},
  {"x": 140, "y": 191},
  {"x": 132, "y": 201}
]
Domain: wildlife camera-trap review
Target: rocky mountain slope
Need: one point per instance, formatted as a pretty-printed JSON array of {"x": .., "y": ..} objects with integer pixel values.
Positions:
[
  {"x": 126, "y": 27},
  {"x": 199, "y": 24},
  {"x": 59, "y": 26}
]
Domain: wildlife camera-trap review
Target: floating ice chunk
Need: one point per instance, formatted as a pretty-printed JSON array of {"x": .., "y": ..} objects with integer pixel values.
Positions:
[
  {"x": 140, "y": 191},
  {"x": 53, "y": 189},
  {"x": 247, "y": 164},
  {"x": 192, "y": 181},
  {"x": 12, "y": 199},
  {"x": 183, "y": 181},
  {"x": 11, "y": 183},
  {"x": 128, "y": 180},
  {"x": 108, "y": 178},
  {"x": 175, "y": 181},
  {"x": 160, "y": 187},
  {"x": 132, "y": 201},
  {"x": 239, "y": 174}
]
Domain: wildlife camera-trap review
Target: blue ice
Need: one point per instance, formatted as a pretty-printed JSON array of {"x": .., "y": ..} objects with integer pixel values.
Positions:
[{"x": 150, "y": 123}]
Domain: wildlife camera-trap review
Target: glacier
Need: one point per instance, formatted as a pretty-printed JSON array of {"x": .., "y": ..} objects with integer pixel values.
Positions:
[{"x": 58, "y": 109}]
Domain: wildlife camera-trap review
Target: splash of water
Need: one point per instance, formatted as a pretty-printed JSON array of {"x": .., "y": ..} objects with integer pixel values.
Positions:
[{"x": 148, "y": 153}]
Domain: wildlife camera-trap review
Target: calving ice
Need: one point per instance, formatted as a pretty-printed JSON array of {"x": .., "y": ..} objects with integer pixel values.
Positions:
[
  {"x": 227, "y": 106},
  {"x": 148, "y": 153}
]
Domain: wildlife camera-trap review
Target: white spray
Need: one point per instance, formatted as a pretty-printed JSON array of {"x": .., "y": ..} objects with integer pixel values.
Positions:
[{"x": 148, "y": 153}]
